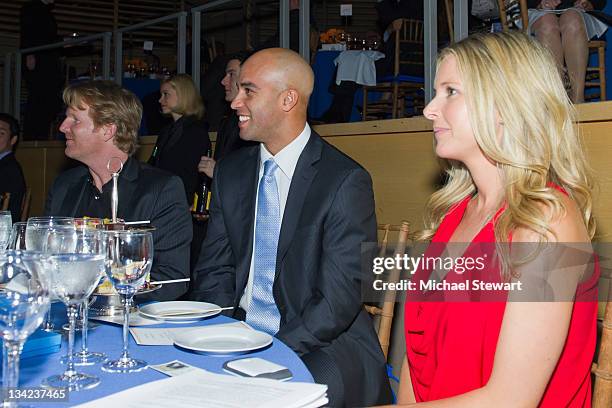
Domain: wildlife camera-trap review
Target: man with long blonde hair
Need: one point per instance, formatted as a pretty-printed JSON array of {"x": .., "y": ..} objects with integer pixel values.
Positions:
[{"x": 101, "y": 128}]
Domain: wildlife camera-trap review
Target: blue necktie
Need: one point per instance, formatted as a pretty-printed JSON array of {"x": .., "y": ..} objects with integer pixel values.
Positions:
[{"x": 263, "y": 313}]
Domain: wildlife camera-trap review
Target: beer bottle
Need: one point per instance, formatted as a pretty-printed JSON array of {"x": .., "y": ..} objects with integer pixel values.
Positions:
[{"x": 201, "y": 199}]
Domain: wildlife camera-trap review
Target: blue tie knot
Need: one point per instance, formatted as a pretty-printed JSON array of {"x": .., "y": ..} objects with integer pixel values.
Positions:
[{"x": 270, "y": 167}]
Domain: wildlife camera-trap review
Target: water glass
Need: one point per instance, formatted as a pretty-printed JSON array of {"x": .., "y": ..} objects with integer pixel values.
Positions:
[
  {"x": 6, "y": 223},
  {"x": 85, "y": 229},
  {"x": 37, "y": 230},
  {"x": 24, "y": 300},
  {"x": 73, "y": 278},
  {"x": 17, "y": 239},
  {"x": 129, "y": 259}
]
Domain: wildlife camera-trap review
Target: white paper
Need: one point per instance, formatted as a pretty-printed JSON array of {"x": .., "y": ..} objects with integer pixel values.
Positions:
[
  {"x": 164, "y": 336},
  {"x": 204, "y": 389}
]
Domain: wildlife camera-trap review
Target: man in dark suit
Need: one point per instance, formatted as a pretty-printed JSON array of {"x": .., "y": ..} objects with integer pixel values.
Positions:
[
  {"x": 11, "y": 175},
  {"x": 287, "y": 220},
  {"x": 101, "y": 129}
]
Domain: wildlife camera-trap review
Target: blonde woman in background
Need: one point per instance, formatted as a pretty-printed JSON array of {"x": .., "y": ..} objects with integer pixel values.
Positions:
[
  {"x": 180, "y": 145},
  {"x": 516, "y": 174}
]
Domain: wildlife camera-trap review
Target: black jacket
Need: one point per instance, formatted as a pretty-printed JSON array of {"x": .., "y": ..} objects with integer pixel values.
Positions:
[
  {"x": 12, "y": 181},
  {"x": 317, "y": 287},
  {"x": 228, "y": 137},
  {"x": 178, "y": 150},
  {"x": 145, "y": 193}
]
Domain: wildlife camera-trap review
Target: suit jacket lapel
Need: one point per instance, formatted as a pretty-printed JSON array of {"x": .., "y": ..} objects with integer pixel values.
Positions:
[
  {"x": 248, "y": 176},
  {"x": 304, "y": 173}
]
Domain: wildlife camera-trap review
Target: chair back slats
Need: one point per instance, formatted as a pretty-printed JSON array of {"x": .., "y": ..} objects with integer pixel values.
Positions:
[
  {"x": 409, "y": 32},
  {"x": 596, "y": 76},
  {"x": 385, "y": 310},
  {"x": 503, "y": 17},
  {"x": 384, "y": 240}
]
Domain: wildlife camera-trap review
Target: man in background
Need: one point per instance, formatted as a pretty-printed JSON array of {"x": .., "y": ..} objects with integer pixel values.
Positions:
[
  {"x": 41, "y": 69},
  {"x": 228, "y": 136},
  {"x": 11, "y": 175}
]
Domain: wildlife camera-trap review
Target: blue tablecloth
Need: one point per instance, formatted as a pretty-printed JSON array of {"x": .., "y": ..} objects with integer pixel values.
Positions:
[{"x": 107, "y": 338}]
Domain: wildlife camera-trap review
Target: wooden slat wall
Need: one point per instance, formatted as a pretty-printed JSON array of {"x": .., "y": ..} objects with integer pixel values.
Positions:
[{"x": 91, "y": 17}]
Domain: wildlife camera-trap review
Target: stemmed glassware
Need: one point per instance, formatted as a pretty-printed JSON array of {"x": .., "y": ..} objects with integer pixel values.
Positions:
[
  {"x": 76, "y": 271},
  {"x": 37, "y": 231},
  {"x": 129, "y": 259},
  {"x": 5, "y": 228},
  {"x": 84, "y": 226},
  {"x": 38, "y": 227},
  {"x": 17, "y": 239},
  {"x": 24, "y": 299}
]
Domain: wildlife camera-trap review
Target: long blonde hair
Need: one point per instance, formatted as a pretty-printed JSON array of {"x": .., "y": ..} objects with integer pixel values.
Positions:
[{"x": 513, "y": 76}]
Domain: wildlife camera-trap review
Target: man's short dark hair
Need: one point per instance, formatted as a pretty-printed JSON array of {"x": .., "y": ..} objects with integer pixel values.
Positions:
[
  {"x": 12, "y": 122},
  {"x": 240, "y": 56}
]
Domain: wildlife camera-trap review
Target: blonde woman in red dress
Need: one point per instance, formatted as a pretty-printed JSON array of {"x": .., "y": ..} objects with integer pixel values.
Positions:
[{"x": 516, "y": 174}]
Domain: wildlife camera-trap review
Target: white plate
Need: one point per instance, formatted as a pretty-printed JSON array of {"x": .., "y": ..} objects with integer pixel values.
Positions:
[
  {"x": 164, "y": 310},
  {"x": 223, "y": 340}
]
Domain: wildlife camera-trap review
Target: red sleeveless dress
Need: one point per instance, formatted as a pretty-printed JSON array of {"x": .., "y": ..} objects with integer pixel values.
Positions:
[{"x": 450, "y": 346}]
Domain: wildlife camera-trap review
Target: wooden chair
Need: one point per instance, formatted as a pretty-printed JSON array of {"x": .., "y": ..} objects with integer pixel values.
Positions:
[
  {"x": 401, "y": 87},
  {"x": 384, "y": 312},
  {"x": 25, "y": 205},
  {"x": 602, "y": 369},
  {"x": 5, "y": 199},
  {"x": 504, "y": 17},
  {"x": 596, "y": 76}
]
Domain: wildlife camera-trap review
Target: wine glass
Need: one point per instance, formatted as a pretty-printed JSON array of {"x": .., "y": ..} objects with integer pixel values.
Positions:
[
  {"x": 73, "y": 277},
  {"x": 37, "y": 230},
  {"x": 17, "y": 239},
  {"x": 129, "y": 259},
  {"x": 6, "y": 222},
  {"x": 38, "y": 227},
  {"x": 85, "y": 228},
  {"x": 24, "y": 299}
]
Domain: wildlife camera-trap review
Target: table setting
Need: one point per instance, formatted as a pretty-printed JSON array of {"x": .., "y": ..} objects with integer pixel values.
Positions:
[{"x": 52, "y": 271}]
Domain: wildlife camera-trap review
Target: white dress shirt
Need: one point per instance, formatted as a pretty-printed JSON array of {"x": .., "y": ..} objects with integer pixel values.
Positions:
[{"x": 286, "y": 160}]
